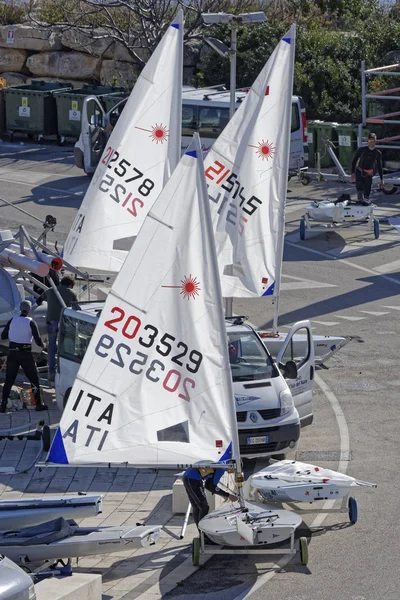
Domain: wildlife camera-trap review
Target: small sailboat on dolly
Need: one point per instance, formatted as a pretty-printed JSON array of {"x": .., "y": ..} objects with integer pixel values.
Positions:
[
  {"x": 294, "y": 481},
  {"x": 155, "y": 388}
]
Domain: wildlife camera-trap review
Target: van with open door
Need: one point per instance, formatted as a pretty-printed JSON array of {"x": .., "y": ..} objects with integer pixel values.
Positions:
[
  {"x": 273, "y": 397},
  {"x": 204, "y": 111}
]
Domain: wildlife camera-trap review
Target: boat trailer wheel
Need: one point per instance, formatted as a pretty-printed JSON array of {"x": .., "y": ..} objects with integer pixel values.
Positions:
[
  {"x": 303, "y": 550},
  {"x": 196, "y": 551},
  {"x": 353, "y": 510},
  {"x": 390, "y": 190}
]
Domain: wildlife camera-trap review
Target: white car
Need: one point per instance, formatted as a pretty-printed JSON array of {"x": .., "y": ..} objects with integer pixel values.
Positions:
[{"x": 15, "y": 584}]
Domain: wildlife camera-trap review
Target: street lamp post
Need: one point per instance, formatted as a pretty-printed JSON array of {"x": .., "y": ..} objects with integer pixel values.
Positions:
[{"x": 233, "y": 21}]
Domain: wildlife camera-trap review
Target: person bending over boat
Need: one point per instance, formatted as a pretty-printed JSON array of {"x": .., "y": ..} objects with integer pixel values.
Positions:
[
  {"x": 367, "y": 160},
  {"x": 197, "y": 480},
  {"x": 20, "y": 331}
]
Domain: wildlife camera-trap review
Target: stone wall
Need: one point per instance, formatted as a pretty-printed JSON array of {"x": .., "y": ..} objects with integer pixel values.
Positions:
[{"x": 29, "y": 52}]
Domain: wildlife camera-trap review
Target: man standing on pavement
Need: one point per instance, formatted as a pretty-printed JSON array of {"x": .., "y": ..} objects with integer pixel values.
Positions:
[
  {"x": 20, "y": 331},
  {"x": 54, "y": 308},
  {"x": 367, "y": 160}
]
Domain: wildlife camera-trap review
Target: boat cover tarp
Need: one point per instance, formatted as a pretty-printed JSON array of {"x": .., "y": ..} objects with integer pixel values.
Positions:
[{"x": 45, "y": 533}]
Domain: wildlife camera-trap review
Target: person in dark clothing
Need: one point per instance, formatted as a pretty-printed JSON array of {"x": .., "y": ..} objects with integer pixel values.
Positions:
[
  {"x": 20, "y": 331},
  {"x": 53, "y": 312},
  {"x": 45, "y": 280},
  {"x": 197, "y": 480},
  {"x": 367, "y": 160}
]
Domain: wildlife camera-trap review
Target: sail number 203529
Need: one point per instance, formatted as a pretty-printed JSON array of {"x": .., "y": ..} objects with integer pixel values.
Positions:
[{"x": 154, "y": 369}]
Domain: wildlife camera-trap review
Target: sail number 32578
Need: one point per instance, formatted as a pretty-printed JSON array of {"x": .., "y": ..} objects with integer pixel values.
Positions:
[{"x": 122, "y": 173}]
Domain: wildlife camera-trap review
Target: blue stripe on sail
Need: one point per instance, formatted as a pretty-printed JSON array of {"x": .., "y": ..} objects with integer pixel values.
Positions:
[
  {"x": 176, "y": 25},
  {"x": 287, "y": 40},
  {"x": 192, "y": 153},
  {"x": 57, "y": 452},
  {"x": 62, "y": 253},
  {"x": 270, "y": 290}
]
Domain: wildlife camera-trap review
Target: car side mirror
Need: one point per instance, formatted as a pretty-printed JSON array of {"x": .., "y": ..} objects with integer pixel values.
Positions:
[{"x": 289, "y": 370}]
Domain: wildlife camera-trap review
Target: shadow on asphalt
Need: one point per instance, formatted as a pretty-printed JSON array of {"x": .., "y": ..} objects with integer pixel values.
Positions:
[
  {"x": 57, "y": 193},
  {"x": 356, "y": 298}
]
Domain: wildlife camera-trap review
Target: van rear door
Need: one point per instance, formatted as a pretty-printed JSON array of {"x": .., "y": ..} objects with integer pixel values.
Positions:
[
  {"x": 302, "y": 353},
  {"x": 298, "y": 135},
  {"x": 93, "y": 138}
]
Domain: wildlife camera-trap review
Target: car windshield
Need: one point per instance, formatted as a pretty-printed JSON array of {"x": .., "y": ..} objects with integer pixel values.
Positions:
[
  {"x": 75, "y": 336},
  {"x": 248, "y": 357}
]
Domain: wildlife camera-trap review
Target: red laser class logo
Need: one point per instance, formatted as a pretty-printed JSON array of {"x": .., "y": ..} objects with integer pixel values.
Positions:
[
  {"x": 264, "y": 149},
  {"x": 158, "y": 133},
  {"x": 190, "y": 287}
]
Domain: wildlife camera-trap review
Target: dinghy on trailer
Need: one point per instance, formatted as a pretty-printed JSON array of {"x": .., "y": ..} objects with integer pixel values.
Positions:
[
  {"x": 295, "y": 481},
  {"x": 257, "y": 524},
  {"x": 27, "y": 512},
  {"x": 65, "y": 539},
  {"x": 334, "y": 214}
]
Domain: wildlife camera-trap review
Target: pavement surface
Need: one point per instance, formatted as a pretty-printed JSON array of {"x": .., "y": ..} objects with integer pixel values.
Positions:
[{"x": 346, "y": 283}]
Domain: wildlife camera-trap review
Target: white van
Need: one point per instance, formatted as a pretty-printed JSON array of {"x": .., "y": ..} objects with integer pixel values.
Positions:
[
  {"x": 268, "y": 419},
  {"x": 204, "y": 110}
]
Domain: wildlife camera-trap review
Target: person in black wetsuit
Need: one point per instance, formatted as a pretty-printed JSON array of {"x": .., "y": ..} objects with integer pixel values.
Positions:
[{"x": 367, "y": 160}]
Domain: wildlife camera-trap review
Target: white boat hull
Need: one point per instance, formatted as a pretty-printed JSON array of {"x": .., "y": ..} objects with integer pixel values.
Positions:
[
  {"x": 85, "y": 541},
  {"x": 28, "y": 512},
  {"x": 294, "y": 481},
  {"x": 323, "y": 344},
  {"x": 267, "y": 525},
  {"x": 327, "y": 211}
]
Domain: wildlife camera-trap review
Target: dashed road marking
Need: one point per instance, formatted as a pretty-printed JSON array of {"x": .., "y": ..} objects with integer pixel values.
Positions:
[
  {"x": 350, "y": 318},
  {"x": 374, "y": 313}
]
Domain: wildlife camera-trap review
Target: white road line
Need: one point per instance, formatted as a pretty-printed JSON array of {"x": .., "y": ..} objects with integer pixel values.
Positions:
[
  {"x": 343, "y": 464},
  {"x": 387, "y": 267},
  {"x": 327, "y": 323},
  {"x": 32, "y": 185},
  {"x": 392, "y": 307},
  {"x": 374, "y": 313},
  {"x": 345, "y": 262},
  {"x": 350, "y": 318}
]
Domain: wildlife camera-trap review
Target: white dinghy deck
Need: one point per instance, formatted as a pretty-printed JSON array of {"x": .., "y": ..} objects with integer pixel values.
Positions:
[
  {"x": 336, "y": 214},
  {"x": 290, "y": 481},
  {"x": 62, "y": 539}
]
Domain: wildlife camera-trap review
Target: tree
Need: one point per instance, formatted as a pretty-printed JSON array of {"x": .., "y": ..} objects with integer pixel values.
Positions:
[{"x": 138, "y": 25}]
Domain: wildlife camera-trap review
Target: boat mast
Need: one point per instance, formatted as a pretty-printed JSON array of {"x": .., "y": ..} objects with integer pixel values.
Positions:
[
  {"x": 282, "y": 204},
  {"x": 224, "y": 349}
]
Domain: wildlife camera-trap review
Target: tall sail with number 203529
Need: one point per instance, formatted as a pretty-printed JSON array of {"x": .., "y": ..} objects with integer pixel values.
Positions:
[
  {"x": 140, "y": 155},
  {"x": 155, "y": 385},
  {"x": 247, "y": 172}
]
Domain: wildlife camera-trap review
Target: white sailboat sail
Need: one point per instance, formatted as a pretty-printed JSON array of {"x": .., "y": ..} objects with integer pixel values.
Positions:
[
  {"x": 246, "y": 172},
  {"x": 140, "y": 155},
  {"x": 155, "y": 386}
]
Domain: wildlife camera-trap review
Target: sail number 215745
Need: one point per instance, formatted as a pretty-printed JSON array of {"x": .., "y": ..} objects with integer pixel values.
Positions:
[{"x": 165, "y": 345}]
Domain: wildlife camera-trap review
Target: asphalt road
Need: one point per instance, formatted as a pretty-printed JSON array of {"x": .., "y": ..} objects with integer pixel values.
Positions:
[{"x": 346, "y": 283}]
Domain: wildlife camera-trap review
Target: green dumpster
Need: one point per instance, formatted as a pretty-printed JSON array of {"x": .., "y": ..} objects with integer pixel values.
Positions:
[
  {"x": 69, "y": 107},
  {"x": 326, "y": 129},
  {"x": 3, "y": 127},
  {"x": 111, "y": 100},
  {"x": 31, "y": 109},
  {"x": 347, "y": 143},
  {"x": 312, "y": 142}
]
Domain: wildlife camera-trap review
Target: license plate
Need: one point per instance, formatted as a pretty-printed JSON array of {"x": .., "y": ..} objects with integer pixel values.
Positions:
[{"x": 262, "y": 439}]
